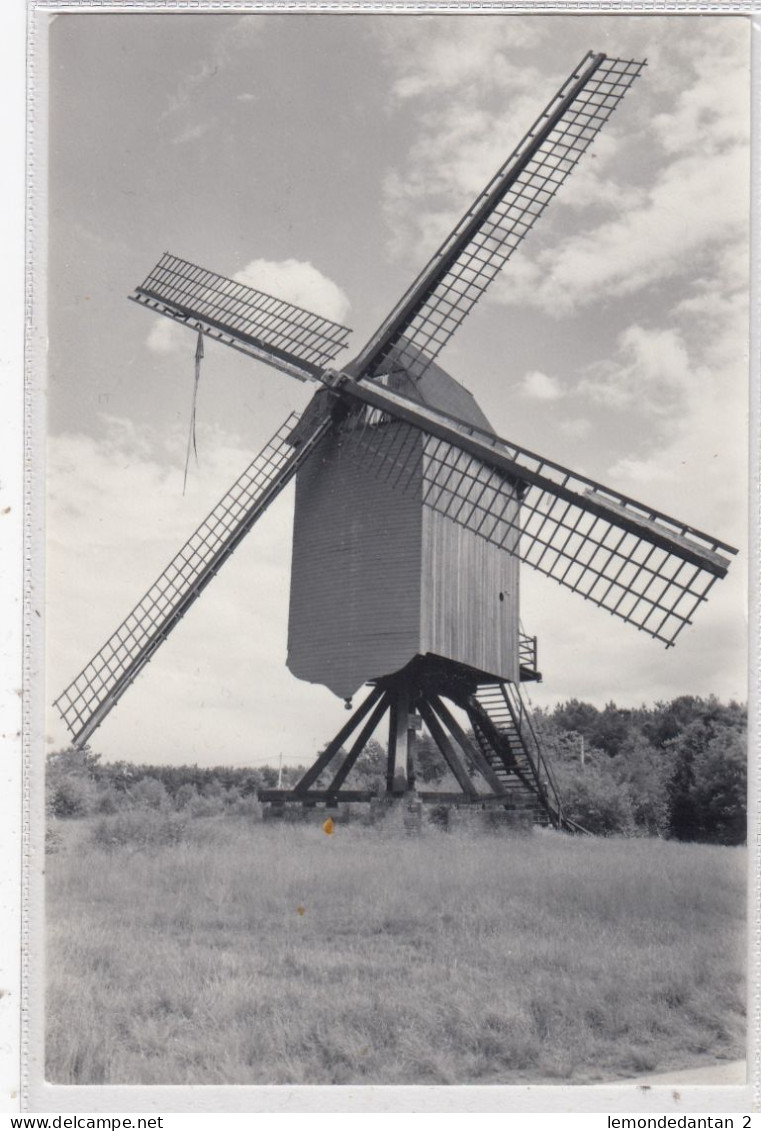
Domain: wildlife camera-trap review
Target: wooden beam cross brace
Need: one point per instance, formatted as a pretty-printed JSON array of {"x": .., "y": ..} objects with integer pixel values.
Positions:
[
  {"x": 447, "y": 749},
  {"x": 334, "y": 746},
  {"x": 359, "y": 745},
  {"x": 470, "y": 748}
]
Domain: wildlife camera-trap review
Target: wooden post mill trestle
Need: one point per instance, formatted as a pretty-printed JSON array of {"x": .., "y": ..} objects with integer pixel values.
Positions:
[{"x": 499, "y": 765}]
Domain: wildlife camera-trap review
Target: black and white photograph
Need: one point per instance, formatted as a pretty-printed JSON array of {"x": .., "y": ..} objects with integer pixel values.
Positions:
[{"x": 394, "y": 403}]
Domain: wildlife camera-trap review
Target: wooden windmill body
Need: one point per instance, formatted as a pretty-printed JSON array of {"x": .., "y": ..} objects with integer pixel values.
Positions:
[
  {"x": 378, "y": 579},
  {"x": 411, "y": 515}
]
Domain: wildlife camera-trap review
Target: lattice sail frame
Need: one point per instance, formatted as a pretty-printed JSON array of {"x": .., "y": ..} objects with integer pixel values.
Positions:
[
  {"x": 643, "y": 567},
  {"x": 100, "y": 684},
  {"x": 500, "y": 218},
  {"x": 267, "y": 328}
]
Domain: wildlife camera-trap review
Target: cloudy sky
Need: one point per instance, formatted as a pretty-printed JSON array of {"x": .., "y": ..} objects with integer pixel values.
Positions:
[{"x": 322, "y": 158}]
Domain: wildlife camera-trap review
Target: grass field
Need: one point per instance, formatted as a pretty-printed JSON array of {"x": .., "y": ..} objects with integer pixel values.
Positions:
[{"x": 252, "y": 953}]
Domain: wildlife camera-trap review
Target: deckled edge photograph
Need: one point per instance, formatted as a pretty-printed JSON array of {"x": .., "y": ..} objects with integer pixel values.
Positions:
[{"x": 183, "y": 468}]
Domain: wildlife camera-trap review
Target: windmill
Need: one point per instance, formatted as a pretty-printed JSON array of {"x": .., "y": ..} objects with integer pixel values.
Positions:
[{"x": 412, "y": 516}]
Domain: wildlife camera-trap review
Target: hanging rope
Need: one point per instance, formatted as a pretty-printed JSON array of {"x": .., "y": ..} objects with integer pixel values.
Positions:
[{"x": 192, "y": 432}]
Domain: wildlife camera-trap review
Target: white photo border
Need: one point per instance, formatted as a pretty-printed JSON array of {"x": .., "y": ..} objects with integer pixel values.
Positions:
[{"x": 23, "y": 427}]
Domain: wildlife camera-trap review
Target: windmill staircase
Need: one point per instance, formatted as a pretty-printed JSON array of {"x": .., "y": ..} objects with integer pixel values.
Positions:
[{"x": 508, "y": 741}]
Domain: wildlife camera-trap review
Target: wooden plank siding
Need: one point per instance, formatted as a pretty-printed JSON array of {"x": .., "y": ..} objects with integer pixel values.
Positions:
[
  {"x": 462, "y": 616},
  {"x": 378, "y": 578},
  {"x": 355, "y": 576}
]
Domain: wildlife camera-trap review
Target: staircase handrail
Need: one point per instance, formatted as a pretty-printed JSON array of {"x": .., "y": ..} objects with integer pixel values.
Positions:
[{"x": 521, "y": 713}]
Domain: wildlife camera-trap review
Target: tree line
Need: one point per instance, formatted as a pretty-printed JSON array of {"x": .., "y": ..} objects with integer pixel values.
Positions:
[{"x": 676, "y": 769}]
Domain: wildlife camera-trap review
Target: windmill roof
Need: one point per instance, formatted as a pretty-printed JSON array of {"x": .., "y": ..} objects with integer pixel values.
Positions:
[{"x": 437, "y": 388}]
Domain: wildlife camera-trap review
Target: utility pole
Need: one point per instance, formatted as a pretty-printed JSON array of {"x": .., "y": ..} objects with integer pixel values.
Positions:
[
  {"x": 280, "y": 772},
  {"x": 582, "y": 749}
]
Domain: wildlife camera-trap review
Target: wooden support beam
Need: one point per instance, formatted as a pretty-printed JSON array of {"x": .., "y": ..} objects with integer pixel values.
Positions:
[
  {"x": 391, "y": 760},
  {"x": 447, "y": 749},
  {"x": 359, "y": 745},
  {"x": 316, "y": 795},
  {"x": 335, "y": 745},
  {"x": 470, "y": 748},
  {"x": 411, "y": 740},
  {"x": 448, "y": 798},
  {"x": 401, "y": 718}
]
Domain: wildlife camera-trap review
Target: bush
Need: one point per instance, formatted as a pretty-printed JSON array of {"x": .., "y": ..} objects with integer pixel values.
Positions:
[
  {"x": 708, "y": 789},
  {"x": 149, "y": 793},
  {"x": 109, "y": 800},
  {"x": 139, "y": 828},
  {"x": 53, "y": 838},
  {"x": 720, "y": 788},
  {"x": 70, "y": 783},
  {"x": 185, "y": 795},
  {"x": 645, "y": 772},
  {"x": 201, "y": 806},
  {"x": 247, "y": 807},
  {"x": 71, "y": 796},
  {"x": 677, "y": 769},
  {"x": 596, "y": 801}
]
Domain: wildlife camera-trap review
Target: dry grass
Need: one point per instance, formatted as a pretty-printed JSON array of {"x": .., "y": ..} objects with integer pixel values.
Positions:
[{"x": 441, "y": 959}]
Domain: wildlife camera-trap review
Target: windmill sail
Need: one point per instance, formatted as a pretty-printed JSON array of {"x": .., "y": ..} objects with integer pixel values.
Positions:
[
  {"x": 270, "y": 329},
  {"x": 98, "y": 687},
  {"x": 500, "y": 218},
  {"x": 640, "y": 565}
]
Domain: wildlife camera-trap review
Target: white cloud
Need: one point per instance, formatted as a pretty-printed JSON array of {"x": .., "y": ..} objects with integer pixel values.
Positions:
[
  {"x": 576, "y": 428},
  {"x": 679, "y": 185},
  {"x": 540, "y": 386},
  {"x": 468, "y": 88},
  {"x": 596, "y": 185},
  {"x": 191, "y": 133},
  {"x": 439, "y": 55},
  {"x": 711, "y": 113},
  {"x": 234, "y": 36},
  {"x": 697, "y": 466},
  {"x": 586, "y": 653},
  {"x": 298, "y": 282},
  {"x": 662, "y": 195},
  {"x": 166, "y": 336},
  {"x": 691, "y": 384},
  {"x": 689, "y": 220},
  {"x": 457, "y": 152},
  {"x": 651, "y": 371}
]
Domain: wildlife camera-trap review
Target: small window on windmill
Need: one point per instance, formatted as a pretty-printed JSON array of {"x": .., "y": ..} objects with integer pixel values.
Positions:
[
  {"x": 373, "y": 417},
  {"x": 367, "y": 417}
]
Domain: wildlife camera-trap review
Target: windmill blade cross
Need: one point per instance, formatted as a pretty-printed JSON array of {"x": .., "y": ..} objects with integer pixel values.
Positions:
[
  {"x": 637, "y": 563},
  {"x": 287, "y": 337},
  {"x": 500, "y": 218},
  {"x": 99, "y": 686}
]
